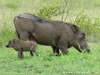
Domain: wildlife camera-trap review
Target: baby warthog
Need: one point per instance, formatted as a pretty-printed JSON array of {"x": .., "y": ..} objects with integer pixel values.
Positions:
[{"x": 22, "y": 46}]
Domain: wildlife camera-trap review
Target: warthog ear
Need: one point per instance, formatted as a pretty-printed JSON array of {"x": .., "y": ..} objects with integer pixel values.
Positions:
[{"x": 74, "y": 28}]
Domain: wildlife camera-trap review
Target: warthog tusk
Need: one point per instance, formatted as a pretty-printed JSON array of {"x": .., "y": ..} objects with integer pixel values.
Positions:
[
  {"x": 31, "y": 47},
  {"x": 78, "y": 45}
]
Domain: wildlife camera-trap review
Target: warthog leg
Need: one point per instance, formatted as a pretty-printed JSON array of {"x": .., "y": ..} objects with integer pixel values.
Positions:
[
  {"x": 63, "y": 49},
  {"x": 20, "y": 54},
  {"x": 56, "y": 51},
  {"x": 31, "y": 53}
]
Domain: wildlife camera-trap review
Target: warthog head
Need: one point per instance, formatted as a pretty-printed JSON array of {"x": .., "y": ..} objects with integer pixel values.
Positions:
[
  {"x": 79, "y": 39},
  {"x": 10, "y": 43}
]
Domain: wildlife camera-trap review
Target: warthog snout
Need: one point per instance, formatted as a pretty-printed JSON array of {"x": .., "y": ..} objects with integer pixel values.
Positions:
[{"x": 7, "y": 46}]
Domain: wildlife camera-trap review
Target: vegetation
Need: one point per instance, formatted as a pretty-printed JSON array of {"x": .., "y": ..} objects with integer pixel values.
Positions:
[
  {"x": 84, "y": 13},
  {"x": 73, "y": 64}
]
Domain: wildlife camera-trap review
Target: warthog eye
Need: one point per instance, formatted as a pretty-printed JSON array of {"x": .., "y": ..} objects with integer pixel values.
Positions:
[{"x": 82, "y": 35}]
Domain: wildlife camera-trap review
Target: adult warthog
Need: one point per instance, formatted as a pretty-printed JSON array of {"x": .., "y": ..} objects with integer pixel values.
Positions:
[{"x": 57, "y": 34}]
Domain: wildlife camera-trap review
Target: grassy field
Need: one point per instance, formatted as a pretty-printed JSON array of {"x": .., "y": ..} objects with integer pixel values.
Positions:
[{"x": 73, "y": 64}]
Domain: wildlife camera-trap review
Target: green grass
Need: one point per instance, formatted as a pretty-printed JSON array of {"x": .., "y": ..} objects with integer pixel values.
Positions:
[{"x": 73, "y": 64}]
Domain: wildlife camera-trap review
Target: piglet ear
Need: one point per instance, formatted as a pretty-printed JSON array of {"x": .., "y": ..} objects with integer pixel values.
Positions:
[
  {"x": 14, "y": 40},
  {"x": 74, "y": 28}
]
